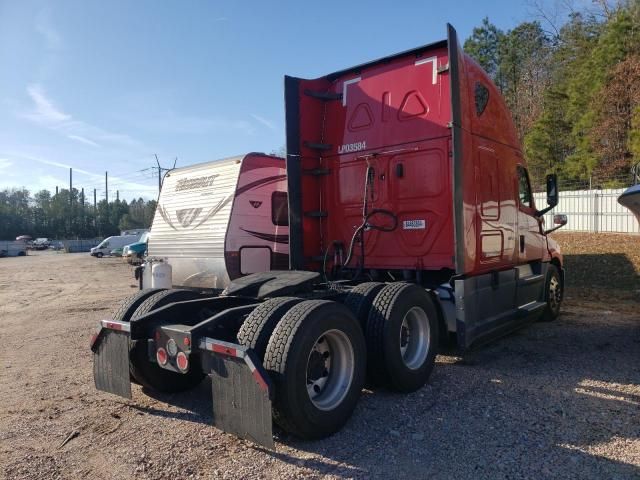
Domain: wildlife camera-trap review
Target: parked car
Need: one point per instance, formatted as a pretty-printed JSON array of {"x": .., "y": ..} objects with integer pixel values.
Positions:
[
  {"x": 135, "y": 252},
  {"x": 40, "y": 243},
  {"x": 109, "y": 243},
  {"x": 117, "y": 252}
]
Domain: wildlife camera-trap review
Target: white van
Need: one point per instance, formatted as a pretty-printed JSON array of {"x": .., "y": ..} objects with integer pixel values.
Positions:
[{"x": 109, "y": 243}]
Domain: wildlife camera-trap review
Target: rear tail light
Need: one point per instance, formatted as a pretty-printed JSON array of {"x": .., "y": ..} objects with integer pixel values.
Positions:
[
  {"x": 161, "y": 356},
  {"x": 182, "y": 361}
]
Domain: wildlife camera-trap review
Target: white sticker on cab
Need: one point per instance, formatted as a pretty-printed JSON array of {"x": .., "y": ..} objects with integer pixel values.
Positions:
[{"x": 414, "y": 225}]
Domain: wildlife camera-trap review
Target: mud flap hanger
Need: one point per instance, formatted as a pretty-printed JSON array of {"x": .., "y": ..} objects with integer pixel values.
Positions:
[{"x": 242, "y": 391}]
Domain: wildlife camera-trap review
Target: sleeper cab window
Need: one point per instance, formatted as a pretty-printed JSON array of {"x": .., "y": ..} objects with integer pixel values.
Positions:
[
  {"x": 279, "y": 209},
  {"x": 524, "y": 187}
]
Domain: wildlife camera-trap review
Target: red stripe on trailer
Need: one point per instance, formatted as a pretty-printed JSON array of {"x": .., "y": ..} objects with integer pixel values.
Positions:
[
  {"x": 232, "y": 352},
  {"x": 256, "y": 374},
  {"x": 258, "y": 378},
  {"x": 113, "y": 325}
]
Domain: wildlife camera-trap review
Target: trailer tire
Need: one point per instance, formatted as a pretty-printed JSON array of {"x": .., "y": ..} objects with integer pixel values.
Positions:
[
  {"x": 316, "y": 358},
  {"x": 402, "y": 316},
  {"x": 360, "y": 299},
  {"x": 257, "y": 328},
  {"x": 552, "y": 294},
  {"x": 149, "y": 374}
]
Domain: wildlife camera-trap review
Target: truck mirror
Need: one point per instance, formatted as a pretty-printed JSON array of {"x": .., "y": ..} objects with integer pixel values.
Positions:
[
  {"x": 552, "y": 190},
  {"x": 560, "y": 219}
]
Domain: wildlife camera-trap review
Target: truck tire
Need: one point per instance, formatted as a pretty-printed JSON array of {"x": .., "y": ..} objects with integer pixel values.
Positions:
[
  {"x": 99, "y": 254},
  {"x": 150, "y": 374},
  {"x": 402, "y": 337},
  {"x": 552, "y": 294},
  {"x": 359, "y": 300},
  {"x": 126, "y": 309},
  {"x": 130, "y": 304},
  {"x": 317, "y": 359},
  {"x": 259, "y": 325}
]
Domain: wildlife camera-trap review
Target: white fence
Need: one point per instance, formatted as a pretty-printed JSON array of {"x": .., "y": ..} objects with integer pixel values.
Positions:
[{"x": 591, "y": 211}]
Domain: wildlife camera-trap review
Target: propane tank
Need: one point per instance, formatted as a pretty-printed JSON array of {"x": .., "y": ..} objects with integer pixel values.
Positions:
[
  {"x": 147, "y": 278},
  {"x": 161, "y": 274}
]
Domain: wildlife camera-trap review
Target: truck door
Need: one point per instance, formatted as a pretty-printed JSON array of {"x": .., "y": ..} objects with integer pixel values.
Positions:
[
  {"x": 530, "y": 244},
  {"x": 530, "y": 240}
]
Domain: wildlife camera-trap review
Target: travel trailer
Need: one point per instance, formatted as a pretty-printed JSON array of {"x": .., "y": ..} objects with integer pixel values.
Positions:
[{"x": 219, "y": 220}]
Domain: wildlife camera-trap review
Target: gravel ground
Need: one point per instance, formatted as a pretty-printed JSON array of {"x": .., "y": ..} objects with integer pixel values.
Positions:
[{"x": 555, "y": 400}]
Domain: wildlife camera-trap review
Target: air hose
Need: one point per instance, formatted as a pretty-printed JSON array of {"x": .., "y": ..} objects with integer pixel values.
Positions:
[{"x": 365, "y": 225}]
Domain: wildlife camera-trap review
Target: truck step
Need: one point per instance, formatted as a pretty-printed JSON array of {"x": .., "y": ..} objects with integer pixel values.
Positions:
[
  {"x": 531, "y": 279},
  {"x": 530, "y": 309},
  {"x": 325, "y": 96},
  {"x": 318, "y": 146}
]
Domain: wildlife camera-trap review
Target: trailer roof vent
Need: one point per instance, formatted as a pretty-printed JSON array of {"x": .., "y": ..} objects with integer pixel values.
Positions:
[{"x": 482, "y": 98}]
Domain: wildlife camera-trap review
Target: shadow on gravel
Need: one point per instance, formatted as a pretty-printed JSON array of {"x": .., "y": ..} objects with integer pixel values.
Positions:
[
  {"x": 606, "y": 270},
  {"x": 549, "y": 401},
  {"x": 552, "y": 400},
  {"x": 196, "y": 404}
]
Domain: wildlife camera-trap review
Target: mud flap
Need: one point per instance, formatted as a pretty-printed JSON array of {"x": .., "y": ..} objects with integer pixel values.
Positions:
[
  {"x": 111, "y": 362},
  {"x": 241, "y": 392}
]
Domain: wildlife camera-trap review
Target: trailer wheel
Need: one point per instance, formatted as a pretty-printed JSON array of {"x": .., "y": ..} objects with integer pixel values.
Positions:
[
  {"x": 259, "y": 325},
  {"x": 402, "y": 337},
  {"x": 317, "y": 359},
  {"x": 359, "y": 300},
  {"x": 552, "y": 294},
  {"x": 148, "y": 373}
]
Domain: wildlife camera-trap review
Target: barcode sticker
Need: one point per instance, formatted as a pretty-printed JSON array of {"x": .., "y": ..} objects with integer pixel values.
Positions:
[{"x": 414, "y": 225}]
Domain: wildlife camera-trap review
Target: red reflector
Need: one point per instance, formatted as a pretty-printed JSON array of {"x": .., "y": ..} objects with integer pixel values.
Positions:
[
  {"x": 186, "y": 341},
  {"x": 182, "y": 361},
  {"x": 157, "y": 336},
  {"x": 161, "y": 356}
]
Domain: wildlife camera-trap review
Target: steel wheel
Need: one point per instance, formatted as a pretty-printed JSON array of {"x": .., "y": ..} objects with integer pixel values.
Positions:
[
  {"x": 555, "y": 293},
  {"x": 414, "y": 338},
  {"x": 330, "y": 369}
]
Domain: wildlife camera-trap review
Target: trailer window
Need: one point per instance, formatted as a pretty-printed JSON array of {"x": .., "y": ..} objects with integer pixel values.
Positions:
[
  {"x": 524, "y": 187},
  {"x": 279, "y": 209}
]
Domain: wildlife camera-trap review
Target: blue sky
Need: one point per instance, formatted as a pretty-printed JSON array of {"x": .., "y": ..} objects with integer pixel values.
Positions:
[{"x": 103, "y": 85}]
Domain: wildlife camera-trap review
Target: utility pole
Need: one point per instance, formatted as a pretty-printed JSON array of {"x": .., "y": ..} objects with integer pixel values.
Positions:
[
  {"x": 106, "y": 193},
  {"x": 117, "y": 195},
  {"x": 95, "y": 209},
  {"x": 82, "y": 223},
  {"x": 56, "y": 190},
  {"x": 70, "y": 200},
  {"x": 161, "y": 169},
  {"x": 159, "y": 174}
]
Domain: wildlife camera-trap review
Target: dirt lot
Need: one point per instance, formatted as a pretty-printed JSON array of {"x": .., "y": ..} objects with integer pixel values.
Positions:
[{"x": 552, "y": 400}]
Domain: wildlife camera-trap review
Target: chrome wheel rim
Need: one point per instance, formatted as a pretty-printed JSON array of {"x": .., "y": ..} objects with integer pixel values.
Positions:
[
  {"x": 330, "y": 368},
  {"x": 555, "y": 293},
  {"x": 414, "y": 338}
]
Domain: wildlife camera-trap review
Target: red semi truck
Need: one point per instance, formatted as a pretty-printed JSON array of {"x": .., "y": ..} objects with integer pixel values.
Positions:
[{"x": 411, "y": 222}]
